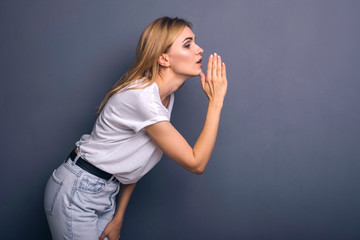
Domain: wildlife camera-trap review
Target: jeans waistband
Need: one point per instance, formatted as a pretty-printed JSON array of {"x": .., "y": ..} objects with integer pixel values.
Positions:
[{"x": 82, "y": 163}]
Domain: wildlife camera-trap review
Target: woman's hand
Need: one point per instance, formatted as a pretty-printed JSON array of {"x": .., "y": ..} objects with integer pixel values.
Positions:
[
  {"x": 214, "y": 84},
  {"x": 111, "y": 231}
]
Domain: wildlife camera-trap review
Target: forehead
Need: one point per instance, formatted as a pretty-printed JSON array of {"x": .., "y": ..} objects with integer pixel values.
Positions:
[{"x": 186, "y": 33}]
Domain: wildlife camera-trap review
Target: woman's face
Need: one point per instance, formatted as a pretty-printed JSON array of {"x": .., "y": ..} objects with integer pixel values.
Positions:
[{"x": 184, "y": 55}]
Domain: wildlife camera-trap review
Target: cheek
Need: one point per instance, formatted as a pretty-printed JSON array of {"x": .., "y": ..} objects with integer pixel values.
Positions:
[{"x": 181, "y": 59}]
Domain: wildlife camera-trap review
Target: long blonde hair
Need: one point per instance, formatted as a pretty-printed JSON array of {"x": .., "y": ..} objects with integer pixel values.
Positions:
[{"x": 155, "y": 40}]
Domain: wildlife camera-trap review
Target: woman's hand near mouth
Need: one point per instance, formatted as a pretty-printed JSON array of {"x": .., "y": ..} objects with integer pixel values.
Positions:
[{"x": 214, "y": 84}]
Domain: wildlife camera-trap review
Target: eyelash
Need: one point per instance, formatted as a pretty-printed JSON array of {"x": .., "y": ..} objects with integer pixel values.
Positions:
[{"x": 187, "y": 45}]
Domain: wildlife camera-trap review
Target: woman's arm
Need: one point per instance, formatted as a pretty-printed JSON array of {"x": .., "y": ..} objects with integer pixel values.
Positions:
[
  {"x": 173, "y": 144},
  {"x": 113, "y": 228}
]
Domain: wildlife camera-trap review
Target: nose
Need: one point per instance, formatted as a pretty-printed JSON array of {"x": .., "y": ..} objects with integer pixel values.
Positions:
[{"x": 200, "y": 50}]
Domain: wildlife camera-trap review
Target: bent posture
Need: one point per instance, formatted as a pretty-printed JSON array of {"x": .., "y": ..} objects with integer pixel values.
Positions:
[{"x": 132, "y": 132}]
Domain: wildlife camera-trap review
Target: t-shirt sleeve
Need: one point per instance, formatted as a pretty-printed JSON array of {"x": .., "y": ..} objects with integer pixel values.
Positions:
[{"x": 142, "y": 108}]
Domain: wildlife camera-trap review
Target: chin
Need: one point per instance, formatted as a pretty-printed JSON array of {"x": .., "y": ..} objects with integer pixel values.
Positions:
[
  {"x": 193, "y": 74},
  {"x": 197, "y": 73}
]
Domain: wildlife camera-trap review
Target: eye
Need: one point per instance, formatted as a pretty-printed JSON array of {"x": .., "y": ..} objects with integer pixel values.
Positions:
[{"x": 187, "y": 45}]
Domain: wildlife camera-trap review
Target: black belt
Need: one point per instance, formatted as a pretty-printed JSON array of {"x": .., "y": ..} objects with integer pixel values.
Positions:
[{"x": 89, "y": 167}]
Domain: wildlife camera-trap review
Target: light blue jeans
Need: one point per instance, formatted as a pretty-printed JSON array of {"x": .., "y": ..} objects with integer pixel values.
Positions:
[{"x": 78, "y": 204}]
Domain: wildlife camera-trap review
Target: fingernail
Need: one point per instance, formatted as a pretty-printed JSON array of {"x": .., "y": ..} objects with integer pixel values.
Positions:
[
  {"x": 211, "y": 55},
  {"x": 215, "y": 54}
]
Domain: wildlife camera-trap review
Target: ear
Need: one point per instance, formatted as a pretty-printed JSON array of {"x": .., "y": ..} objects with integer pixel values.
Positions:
[{"x": 164, "y": 60}]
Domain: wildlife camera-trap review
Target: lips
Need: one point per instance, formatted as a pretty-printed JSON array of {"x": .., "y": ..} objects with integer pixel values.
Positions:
[{"x": 199, "y": 60}]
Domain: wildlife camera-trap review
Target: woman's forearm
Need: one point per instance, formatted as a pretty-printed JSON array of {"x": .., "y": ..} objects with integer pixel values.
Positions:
[
  {"x": 174, "y": 145},
  {"x": 123, "y": 200},
  {"x": 205, "y": 143},
  {"x": 214, "y": 86}
]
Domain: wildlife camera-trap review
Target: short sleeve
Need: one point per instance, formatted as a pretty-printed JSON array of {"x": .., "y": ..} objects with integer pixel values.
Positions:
[{"x": 142, "y": 107}]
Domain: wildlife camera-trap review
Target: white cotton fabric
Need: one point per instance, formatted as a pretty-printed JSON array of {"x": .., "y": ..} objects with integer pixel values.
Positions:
[{"x": 118, "y": 143}]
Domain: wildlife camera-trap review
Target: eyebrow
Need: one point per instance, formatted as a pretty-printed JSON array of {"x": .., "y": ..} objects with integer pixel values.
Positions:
[{"x": 188, "y": 38}]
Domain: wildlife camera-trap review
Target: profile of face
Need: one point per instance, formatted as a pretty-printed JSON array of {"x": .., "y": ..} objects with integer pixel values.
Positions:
[{"x": 184, "y": 56}]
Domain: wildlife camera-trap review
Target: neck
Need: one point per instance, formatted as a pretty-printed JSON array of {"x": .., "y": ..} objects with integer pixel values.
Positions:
[{"x": 168, "y": 82}]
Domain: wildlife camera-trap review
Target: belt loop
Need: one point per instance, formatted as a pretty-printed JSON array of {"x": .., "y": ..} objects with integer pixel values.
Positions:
[
  {"x": 112, "y": 177},
  {"x": 76, "y": 158}
]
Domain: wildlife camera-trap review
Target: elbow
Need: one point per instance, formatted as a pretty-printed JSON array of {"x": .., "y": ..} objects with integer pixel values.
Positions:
[
  {"x": 198, "y": 170},
  {"x": 196, "y": 167}
]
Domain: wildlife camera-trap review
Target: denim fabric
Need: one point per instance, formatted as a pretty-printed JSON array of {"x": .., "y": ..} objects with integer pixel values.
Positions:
[{"x": 78, "y": 204}]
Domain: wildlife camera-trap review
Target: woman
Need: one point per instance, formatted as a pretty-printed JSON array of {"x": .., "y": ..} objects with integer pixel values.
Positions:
[{"x": 132, "y": 131}]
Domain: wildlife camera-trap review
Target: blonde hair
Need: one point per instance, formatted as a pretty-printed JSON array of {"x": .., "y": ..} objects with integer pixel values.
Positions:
[{"x": 155, "y": 40}]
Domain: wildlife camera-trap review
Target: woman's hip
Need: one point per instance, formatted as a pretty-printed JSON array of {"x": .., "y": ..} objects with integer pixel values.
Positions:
[{"x": 74, "y": 197}]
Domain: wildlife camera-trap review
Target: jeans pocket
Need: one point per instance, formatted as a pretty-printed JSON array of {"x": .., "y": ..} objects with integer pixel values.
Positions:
[
  {"x": 51, "y": 193},
  {"x": 112, "y": 198},
  {"x": 91, "y": 184}
]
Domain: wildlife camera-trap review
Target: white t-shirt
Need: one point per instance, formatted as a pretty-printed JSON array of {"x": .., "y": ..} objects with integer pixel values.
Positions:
[{"x": 118, "y": 143}]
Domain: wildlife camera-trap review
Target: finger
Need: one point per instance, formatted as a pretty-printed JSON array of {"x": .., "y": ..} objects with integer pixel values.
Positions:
[
  {"x": 223, "y": 72},
  {"x": 218, "y": 68},
  {"x": 102, "y": 236},
  {"x": 202, "y": 79},
  {"x": 209, "y": 66},
  {"x": 214, "y": 65}
]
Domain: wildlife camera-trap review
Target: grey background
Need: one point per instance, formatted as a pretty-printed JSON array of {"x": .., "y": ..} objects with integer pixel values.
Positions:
[{"x": 286, "y": 164}]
